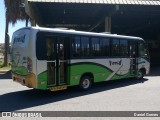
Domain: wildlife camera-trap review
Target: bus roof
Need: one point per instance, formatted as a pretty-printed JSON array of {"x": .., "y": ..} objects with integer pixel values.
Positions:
[{"x": 71, "y": 31}]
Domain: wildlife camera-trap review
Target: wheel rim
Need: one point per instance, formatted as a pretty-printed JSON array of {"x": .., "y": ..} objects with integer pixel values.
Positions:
[{"x": 86, "y": 83}]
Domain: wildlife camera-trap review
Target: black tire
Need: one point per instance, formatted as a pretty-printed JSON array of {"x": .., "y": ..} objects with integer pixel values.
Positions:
[
  {"x": 85, "y": 83},
  {"x": 140, "y": 75}
]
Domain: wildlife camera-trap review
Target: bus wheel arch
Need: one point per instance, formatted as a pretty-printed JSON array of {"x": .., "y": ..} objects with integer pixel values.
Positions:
[
  {"x": 141, "y": 73},
  {"x": 86, "y": 81}
]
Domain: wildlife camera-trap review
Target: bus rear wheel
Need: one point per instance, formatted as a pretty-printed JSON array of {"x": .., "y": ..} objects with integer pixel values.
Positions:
[{"x": 85, "y": 83}]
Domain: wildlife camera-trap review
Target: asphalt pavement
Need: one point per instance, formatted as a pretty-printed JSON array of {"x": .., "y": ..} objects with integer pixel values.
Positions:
[{"x": 120, "y": 95}]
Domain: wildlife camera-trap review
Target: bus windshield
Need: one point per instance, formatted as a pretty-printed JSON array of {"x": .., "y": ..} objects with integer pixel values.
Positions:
[{"x": 143, "y": 51}]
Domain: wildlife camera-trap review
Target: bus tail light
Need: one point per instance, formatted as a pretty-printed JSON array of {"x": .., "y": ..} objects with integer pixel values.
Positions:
[{"x": 29, "y": 65}]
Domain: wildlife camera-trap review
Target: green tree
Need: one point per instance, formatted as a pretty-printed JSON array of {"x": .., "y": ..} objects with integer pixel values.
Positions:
[{"x": 13, "y": 13}]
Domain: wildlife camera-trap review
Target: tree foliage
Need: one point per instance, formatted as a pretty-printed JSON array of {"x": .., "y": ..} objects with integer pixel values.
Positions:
[
  {"x": 13, "y": 11},
  {"x": 13, "y": 14}
]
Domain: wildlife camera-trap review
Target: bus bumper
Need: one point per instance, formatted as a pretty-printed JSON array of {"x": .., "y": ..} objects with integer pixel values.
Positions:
[
  {"x": 26, "y": 80},
  {"x": 147, "y": 70}
]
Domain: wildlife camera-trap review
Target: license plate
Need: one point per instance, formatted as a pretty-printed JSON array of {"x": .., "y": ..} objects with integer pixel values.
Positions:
[{"x": 58, "y": 88}]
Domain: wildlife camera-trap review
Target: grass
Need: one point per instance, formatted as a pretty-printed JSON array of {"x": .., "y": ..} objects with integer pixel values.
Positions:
[
  {"x": 2, "y": 68},
  {"x": 1, "y": 63}
]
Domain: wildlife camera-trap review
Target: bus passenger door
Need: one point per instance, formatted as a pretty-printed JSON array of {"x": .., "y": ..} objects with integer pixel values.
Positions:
[
  {"x": 57, "y": 60},
  {"x": 51, "y": 60},
  {"x": 133, "y": 61},
  {"x": 62, "y": 60}
]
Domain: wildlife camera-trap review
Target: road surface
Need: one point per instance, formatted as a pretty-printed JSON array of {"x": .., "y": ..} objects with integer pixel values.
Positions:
[{"x": 121, "y": 95}]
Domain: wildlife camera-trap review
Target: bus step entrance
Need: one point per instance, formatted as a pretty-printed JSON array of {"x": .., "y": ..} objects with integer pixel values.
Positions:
[{"x": 57, "y": 88}]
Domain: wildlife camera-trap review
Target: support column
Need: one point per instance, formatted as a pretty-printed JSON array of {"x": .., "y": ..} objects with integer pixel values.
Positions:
[
  {"x": 30, "y": 12},
  {"x": 108, "y": 24}
]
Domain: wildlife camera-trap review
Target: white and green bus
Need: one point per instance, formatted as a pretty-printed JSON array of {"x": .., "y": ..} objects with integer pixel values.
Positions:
[{"x": 45, "y": 58}]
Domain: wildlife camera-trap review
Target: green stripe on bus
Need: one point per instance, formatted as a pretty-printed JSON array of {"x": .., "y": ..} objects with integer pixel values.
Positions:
[
  {"x": 75, "y": 71},
  {"x": 21, "y": 70},
  {"x": 42, "y": 78}
]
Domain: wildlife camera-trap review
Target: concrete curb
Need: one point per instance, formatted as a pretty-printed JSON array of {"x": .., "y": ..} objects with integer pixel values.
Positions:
[{"x": 3, "y": 71}]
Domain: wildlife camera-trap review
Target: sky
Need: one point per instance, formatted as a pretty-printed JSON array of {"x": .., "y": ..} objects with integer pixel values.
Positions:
[{"x": 12, "y": 28}]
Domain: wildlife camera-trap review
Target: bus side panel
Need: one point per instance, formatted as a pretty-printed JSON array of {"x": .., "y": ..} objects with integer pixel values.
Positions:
[
  {"x": 42, "y": 74},
  {"x": 143, "y": 63},
  {"x": 77, "y": 70},
  {"x": 123, "y": 71},
  {"x": 102, "y": 69},
  {"x": 40, "y": 65}
]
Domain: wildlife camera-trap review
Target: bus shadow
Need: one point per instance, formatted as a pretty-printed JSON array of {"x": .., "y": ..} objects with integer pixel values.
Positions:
[
  {"x": 6, "y": 75},
  {"x": 31, "y": 98}
]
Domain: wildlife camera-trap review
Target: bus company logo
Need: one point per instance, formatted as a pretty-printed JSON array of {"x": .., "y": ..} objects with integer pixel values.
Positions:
[
  {"x": 115, "y": 63},
  {"x": 19, "y": 39}
]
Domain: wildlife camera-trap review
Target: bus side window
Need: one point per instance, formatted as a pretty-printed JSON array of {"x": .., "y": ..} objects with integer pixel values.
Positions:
[
  {"x": 95, "y": 47},
  {"x": 76, "y": 47},
  {"x": 85, "y": 52},
  {"x": 50, "y": 48},
  {"x": 123, "y": 48},
  {"x": 142, "y": 50},
  {"x": 115, "y": 47},
  {"x": 104, "y": 47}
]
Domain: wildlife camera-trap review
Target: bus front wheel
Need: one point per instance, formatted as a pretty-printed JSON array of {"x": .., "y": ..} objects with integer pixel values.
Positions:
[
  {"x": 85, "y": 83},
  {"x": 140, "y": 74}
]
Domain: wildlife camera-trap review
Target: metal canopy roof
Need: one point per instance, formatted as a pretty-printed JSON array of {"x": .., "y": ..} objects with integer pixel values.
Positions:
[
  {"x": 128, "y": 17},
  {"x": 131, "y": 17},
  {"x": 131, "y": 2}
]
